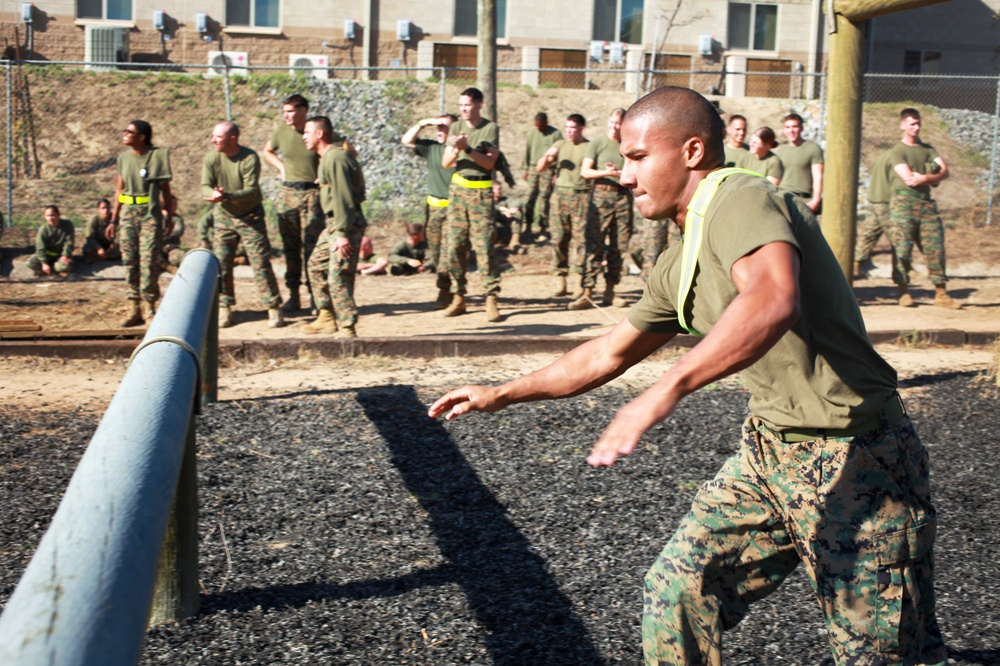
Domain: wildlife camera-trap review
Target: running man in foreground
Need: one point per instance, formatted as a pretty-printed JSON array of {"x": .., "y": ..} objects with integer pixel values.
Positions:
[{"x": 830, "y": 473}]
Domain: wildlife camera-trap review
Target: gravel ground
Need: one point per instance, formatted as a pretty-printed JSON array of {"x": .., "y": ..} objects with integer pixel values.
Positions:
[{"x": 344, "y": 527}]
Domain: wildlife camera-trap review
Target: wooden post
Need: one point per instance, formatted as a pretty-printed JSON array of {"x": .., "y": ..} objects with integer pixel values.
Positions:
[
  {"x": 843, "y": 145},
  {"x": 486, "y": 57}
]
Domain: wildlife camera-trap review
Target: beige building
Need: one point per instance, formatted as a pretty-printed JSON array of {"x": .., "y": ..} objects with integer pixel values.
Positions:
[{"x": 607, "y": 38}]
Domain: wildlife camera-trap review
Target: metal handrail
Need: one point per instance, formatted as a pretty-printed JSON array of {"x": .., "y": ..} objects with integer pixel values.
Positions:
[{"x": 122, "y": 546}]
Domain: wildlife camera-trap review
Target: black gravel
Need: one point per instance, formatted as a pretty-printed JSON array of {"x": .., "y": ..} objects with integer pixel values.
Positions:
[{"x": 347, "y": 528}]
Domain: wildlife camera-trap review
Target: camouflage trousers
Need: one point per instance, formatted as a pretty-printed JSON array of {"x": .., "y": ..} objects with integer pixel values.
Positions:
[
  {"x": 91, "y": 245},
  {"x": 609, "y": 232},
  {"x": 333, "y": 276},
  {"x": 140, "y": 237},
  {"x": 252, "y": 230},
  {"x": 569, "y": 226},
  {"x": 657, "y": 235},
  {"x": 916, "y": 221},
  {"x": 874, "y": 224},
  {"x": 300, "y": 222},
  {"x": 536, "y": 203},
  {"x": 35, "y": 264},
  {"x": 435, "y": 219},
  {"x": 855, "y": 511},
  {"x": 470, "y": 225}
]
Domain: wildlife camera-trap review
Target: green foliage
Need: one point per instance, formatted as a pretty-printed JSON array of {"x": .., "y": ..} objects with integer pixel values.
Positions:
[
  {"x": 548, "y": 85},
  {"x": 276, "y": 84}
]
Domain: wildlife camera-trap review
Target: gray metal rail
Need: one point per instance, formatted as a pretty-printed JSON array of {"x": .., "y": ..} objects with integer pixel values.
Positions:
[{"x": 122, "y": 547}]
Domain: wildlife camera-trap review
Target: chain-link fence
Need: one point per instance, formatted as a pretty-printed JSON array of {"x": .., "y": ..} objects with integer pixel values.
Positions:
[{"x": 63, "y": 119}]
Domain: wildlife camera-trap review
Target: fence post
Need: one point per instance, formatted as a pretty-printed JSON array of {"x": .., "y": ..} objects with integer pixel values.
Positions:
[
  {"x": 444, "y": 74},
  {"x": 10, "y": 149},
  {"x": 993, "y": 157}
]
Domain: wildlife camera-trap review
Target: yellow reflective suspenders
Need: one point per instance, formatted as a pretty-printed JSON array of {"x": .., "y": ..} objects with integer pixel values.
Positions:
[{"x": 694, "y": 234}]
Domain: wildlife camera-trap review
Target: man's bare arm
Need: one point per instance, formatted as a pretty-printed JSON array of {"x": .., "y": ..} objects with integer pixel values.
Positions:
[
  {"x": 271, "y": 157},
  {"x": 765, "y": 309},
  {"x": 589, "y": 171},
  {"x": 588, "y": 366},
  {"x": 817, "y": 189}
]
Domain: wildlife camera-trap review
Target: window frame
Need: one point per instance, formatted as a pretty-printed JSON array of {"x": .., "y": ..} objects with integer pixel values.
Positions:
[
  {"x": 252, "y": 26},
  {"x": 617, "y": 31},
  {"x": 922, "y": 78},
  {"x": 752, "y": 25},
  {"x": 103, "y": 18},
  {"x": 502, "y": 7}
]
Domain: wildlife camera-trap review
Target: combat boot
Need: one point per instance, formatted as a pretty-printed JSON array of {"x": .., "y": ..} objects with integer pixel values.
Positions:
[
  {"x": 346, "y": 332},
  {"x": 133, "y": 316},
  {"x": 609, "y": 295},
  {"x": 492, "y": 308},
  {"x": 292, "y": 304},
  {"x": 225, "y": 316},
  {"x": 324, "y": 323},
  {"x": 561, "y": 286},
  {"x": 443, "y": 299},
  {"x": 584, "y": 302},
  {"x": 274, "y": 318},
  {"x": 456, "y": 308},
  {"x": 905, "y": 300},
  {"x": 943, "y": 300}
]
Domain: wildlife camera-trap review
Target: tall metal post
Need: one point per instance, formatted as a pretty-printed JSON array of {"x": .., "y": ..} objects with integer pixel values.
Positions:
[
  {"x": 10, "y": 148},
  {"x": 993, "y": 160},
  {"x": 444, "y": 92},
  {"x": 486, "y": 57}
]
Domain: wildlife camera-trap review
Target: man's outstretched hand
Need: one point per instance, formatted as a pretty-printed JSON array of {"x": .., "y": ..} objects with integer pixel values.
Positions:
[{"x": 467, "y": 399}]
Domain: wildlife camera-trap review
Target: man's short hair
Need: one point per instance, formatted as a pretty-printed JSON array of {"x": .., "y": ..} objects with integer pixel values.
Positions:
[
  {"x": 577, "y": 118},
  {"x": 766, "y": 136},
  {"x": 909, "y": 112},
  {"x": 105, "y": 202},
  {"x": 53, "y": 207},
  {"x": 620, "y": 112},
  {"x": 296, "y": 100},
  {"x": 452, "y": 116},
  {"x": 795, "y": 117},
  {"x": 330, "y": 135},
  {"x": 542, "y": 117},
  {"x": 736, "y": 117},
  {"x": 414, "y": 228},
  {"x": 232, "y": 129},
  {"x": 475, "y": 94}
]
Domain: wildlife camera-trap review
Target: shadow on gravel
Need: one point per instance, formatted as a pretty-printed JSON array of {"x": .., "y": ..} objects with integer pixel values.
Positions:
[
  {"x": 983, "y": 657},
  {"x": 936, "y": 378},
  {"x": 525, "y": 618}
]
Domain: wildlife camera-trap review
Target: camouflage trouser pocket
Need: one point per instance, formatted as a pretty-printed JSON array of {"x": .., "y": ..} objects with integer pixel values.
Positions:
[{"x": 904, "y": 573}]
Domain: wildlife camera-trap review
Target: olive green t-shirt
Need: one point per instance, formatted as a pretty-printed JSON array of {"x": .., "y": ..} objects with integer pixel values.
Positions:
[
  {"x": 880, "y": 183},
  {"x": 438, "y": 178},
  {"x": 567, "y": 165},
  {"x": 733, "y": 154},
  {"x": 798, "y": 161},
  {"x": 238, "y": 176},
  {"x": 55, "y": 241},
  {"x": 300, "y": 162},
  {"x": 603, "y": 150},
  {"x": 538, "y": 143},
  {"x": 341, "y": 191},
  {"x": 480, "y": 138},
  {"x": 96, "y": 229},
  {"x": 769, "y": 165},
  {"x": 824, "y": 372},
  {"x": 920, "y": 158},
  {"x": 142, "y": 174}
]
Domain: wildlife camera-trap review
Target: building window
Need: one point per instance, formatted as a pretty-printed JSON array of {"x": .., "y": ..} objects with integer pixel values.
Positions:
[
  {"x": 467, "y": 18},
  {"x": 927, "y": 63},
  {"x": 618, "y": 21},
  {"x": 253, "y": 13},
  {"x": 753, "y": 26},
  {"x": 109, "y": 10}
]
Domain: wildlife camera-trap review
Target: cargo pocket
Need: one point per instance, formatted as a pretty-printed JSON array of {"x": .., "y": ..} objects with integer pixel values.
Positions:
[{"x": 904, "y": 594}]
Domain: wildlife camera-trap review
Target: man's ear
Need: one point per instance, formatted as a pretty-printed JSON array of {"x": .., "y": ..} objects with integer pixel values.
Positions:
[{"x": 694, "y": 152}]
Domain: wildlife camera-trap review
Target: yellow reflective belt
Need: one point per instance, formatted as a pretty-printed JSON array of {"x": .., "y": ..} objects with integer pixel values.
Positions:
[
  {"x": 471, "y": 184},
  {"x": 694, "y": 233},
  {"x": 129, "y": 199},
  {"x": 434, "y": 202}
]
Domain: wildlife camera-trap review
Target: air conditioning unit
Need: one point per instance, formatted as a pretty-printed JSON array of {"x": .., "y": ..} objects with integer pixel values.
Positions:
[
  {"x": 318, "y": 65},
  {"x": 236, "y": 60},
  {"x": 103, "y": 44}
]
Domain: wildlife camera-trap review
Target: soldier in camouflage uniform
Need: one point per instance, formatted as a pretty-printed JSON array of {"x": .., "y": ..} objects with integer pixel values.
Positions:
[
  {"x": 611, "y": 222},
  {"x": 334, "y": 264},
  {"x": 573, "y": 235},
  {"x": 230, "y": 179},
  {"x": 96, "y": 244},
  {"x": 300, "y": 219},
  {"x": 141, "y": 212},
  {"x": 473, "y": 149},
  {"x": 830, "y": 471},
  {"x": 913, "y": 213},
  {"x": 536, "y": 205},
  {"x": 876, "y": 222},
  {"x": 53, "y": 245},
  {"x": 656, "y": 236}
]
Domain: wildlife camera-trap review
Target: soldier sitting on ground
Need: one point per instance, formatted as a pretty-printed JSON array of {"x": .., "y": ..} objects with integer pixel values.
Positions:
[
  {"x": 53, "y": 245},
  {"x": 97, "y": 246}
]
